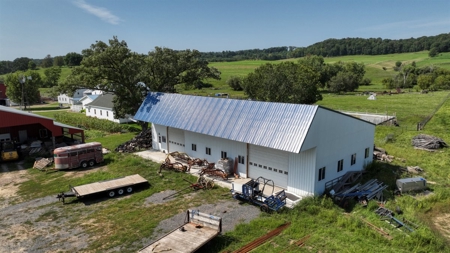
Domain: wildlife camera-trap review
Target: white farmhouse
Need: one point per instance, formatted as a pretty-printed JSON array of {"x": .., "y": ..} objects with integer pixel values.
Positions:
[
  {"x": 300, "y": 147},
  {"x": 102, "y": 108}
]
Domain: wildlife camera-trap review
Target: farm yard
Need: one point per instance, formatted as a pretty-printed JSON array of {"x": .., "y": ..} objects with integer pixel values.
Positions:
[{"x": 34, "y": 220}]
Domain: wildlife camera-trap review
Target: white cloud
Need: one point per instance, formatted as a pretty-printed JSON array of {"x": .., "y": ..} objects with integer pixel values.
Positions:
[{"x": 102, "y": 13}]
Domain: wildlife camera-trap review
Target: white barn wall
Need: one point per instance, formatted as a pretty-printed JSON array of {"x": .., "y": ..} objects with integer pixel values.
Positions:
[
  {"x": 338, "y": 137},
  {"x": 302, "y": 176},
  {"x": 159, "y": 130},
  {"x": 233, "y": 149}
]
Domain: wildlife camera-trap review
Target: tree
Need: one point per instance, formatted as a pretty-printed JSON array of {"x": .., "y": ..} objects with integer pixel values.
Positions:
[
  {"x": 388, "y": 83},
  {"x": 31, "y": 65},
  {"x": 29, "y": 89},
  {"x": 51, "y": 77},
  {"x": 130, "y": 76},
  {"x": 47, "y": 62},
  {"x": 73, "y": 59},
  {"x": 6, "y": 67},
  {"x": 317, "y": 63},
  {"x": 166, "y": 68},
  {"x": 433, "y": 52},
  {"x": 58, "y": 61},
  {"x": 20, "y": 64},
  {"x": 425, "y": 81},
  {"x": 286, "y": 82},
  {"x": 235, "y": 82},
  {"x": 442, "y": 82}
]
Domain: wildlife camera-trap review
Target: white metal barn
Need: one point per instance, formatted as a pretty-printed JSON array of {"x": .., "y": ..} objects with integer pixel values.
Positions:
[{"x": 300, "y": 147}]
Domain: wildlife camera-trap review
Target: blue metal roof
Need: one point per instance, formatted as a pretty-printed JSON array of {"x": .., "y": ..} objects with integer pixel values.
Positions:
[{"x": 274, "y": 125}]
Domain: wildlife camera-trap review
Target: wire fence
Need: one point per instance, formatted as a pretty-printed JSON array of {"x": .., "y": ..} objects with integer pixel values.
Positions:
[{"x": 421, "y": 124}]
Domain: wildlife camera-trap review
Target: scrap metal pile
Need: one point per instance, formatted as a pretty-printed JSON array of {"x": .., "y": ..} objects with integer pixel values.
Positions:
[
  {"x": 363, "y": 193},
  {"x": 428, "y": 142},
  {"x": 142, "y": 141}
]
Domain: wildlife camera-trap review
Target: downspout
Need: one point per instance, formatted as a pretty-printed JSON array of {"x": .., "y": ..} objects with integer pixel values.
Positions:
[
  {"x": 167, "y": 140},
  {"x": 246, "y": 162}
]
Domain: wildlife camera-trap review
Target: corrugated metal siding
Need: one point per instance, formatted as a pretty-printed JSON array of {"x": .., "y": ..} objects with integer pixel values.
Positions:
[
  {"x": 302, "y": 173},
  {"x": 233, "y": 149},
  {"x": 274, "y": 125}
]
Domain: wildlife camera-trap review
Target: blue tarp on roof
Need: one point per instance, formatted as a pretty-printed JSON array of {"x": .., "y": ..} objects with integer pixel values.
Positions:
[{"x": 279, "y": 126}]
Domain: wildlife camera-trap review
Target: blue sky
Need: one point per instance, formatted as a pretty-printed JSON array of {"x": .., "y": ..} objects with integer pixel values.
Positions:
[{"x": 36, "y": 28}]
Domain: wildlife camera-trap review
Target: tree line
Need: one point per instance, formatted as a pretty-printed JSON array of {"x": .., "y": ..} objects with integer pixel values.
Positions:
[
  {"x": 24, "y": 63},
  {"x": 327, "y": 48},
  {"x": 339, "y": 47}
]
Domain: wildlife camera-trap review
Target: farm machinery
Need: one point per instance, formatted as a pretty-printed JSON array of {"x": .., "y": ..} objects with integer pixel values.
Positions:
[{"x": 259, "y": 192}]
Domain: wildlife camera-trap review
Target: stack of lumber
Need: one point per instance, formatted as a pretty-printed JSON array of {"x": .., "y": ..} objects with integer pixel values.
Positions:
[
  {"x": 428, "y": 142},
  {"x": 142, "y": 141}
]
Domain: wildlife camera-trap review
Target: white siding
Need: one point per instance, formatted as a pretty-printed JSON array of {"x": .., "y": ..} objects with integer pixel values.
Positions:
[
  {"x": 302, "y": 175},
  {"x": 175, "y": 140},
  {"x": 217, "y": 145},
  {"x": 269, "y": 163},
  {"x": 337, "y": 137},
  {"x": 159, "y": 131},
  {"x": 103, "y": 113}
]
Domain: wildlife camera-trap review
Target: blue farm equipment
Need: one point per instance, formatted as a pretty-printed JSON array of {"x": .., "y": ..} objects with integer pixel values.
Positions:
[{"x": 259, "y": 192}]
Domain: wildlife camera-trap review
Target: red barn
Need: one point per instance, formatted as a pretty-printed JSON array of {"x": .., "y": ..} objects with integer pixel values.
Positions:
[
  {"x": 23, "y": 126},
  {"x": 3, "y": 96}
]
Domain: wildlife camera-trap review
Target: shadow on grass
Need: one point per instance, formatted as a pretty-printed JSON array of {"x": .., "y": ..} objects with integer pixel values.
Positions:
[{"x": 218, "y": 244}]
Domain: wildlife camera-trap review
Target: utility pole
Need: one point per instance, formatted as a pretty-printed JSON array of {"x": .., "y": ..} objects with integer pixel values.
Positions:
[{"x": 22, "y": 82}]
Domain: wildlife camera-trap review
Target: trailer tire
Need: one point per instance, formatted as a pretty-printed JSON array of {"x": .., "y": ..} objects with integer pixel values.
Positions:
[
  {"x": 84, "y": 165},
  {"x": 129, "y": 189},
  {"x": 120, "y": 191},
  {"x": 91, "y": 163},
  {"x": 111, "y": 194}
]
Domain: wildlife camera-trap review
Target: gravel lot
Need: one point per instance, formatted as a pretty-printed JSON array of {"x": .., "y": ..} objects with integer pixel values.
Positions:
[{"x": 42, "y": 225}]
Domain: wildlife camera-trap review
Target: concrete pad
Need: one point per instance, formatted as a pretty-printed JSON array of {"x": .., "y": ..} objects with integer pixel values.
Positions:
[{"x": 159, "y": 157}]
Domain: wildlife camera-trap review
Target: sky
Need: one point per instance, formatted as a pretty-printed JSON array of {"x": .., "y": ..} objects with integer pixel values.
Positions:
[{"x": 37, "y": 28}]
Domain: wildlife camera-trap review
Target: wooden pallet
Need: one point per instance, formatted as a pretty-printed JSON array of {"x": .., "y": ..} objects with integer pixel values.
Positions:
[{"x": 42, "y": 163}]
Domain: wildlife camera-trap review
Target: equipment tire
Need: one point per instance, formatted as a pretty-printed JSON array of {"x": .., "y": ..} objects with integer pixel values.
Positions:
[
  {"x": 91, "y": 163},
  {"x": 265, "y": 208},
  {"x": 129, "y": 189},
  {"x": 84, "y": 165},
  {"x": 111, "y": 194},
  {"x": 120, "y": 191}
]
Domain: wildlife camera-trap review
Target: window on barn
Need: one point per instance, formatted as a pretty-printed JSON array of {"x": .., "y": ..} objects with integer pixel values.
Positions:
[
  {"x": 107, "y": 114},
  {"x": 353, "y": 159},
  {"x": 159, "y": 137},
  {"x": 241, "y": 159},
  {"x": 208, "y": 151},
  {"x": 322, "y": 173},
  {"x": 100, "y": 112},
  {"x": 95, "y": 111},
  {"x": 163, "y": 139},
  {"x": 366, "y": 153},
  {"x": 194, "y": 147},
  {"x": 223, "y": 155},
  {"x": 340, "y": 166}
]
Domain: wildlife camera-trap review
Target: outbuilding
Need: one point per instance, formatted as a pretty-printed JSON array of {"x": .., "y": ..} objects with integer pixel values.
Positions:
[
  {"x": 23, "y": 126},
  {"x": 300, "y": 147}
]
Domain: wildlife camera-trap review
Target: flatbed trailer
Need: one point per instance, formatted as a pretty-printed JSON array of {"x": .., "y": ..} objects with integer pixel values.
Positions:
[
  {"x": 113, "y": 187},
  {"x": 198, "y": 229}
]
